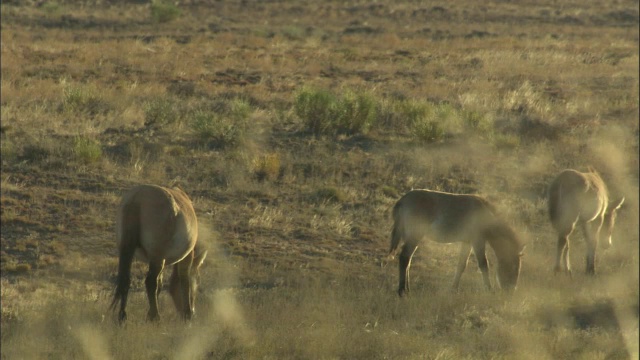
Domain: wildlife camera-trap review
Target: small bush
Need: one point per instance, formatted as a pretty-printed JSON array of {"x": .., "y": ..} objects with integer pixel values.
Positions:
[
  {"x": 86, "y": 150},
  {"x": 164, "y": 11},
  {"x": 505, "y": 141},
  {"x": 267, "y": 166},
  {"x": 8, "y": 150},
  {"x": 355, "y": 112},
  {"x": 325, "y": 113},
  {"x": 293, "y": 32},
  {"x": 316, "y": 109},
  {"x": 51, "y": 8},
  {"x": 330, "y": 193},
  {"x": 226, "y": 129},
  {"x": 160, "y": 112},
  {"x": 474, "y": 120},
  {"x": 83, "y": 99},
  {"x": 240, "y": 110},
  {"x": 427, "y": 130}
]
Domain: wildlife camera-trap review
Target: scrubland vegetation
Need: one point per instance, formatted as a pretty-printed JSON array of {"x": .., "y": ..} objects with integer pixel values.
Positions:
[{"x": 295, "y": 126}]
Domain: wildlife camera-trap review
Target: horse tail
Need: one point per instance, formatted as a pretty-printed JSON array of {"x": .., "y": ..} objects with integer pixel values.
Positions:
[
  {"x": 398, "y": 229},
  {"x": 554, "y": 201},
  {"x": 130, "y": 233}
]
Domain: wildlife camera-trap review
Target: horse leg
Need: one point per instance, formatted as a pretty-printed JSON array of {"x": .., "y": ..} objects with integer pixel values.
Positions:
[
  {"x": 183, "y": 272},
  {"x": 483, "y": 264},
  {"x": 463, "y": 259},
  {"x": 404, "y": 262},
  {"x": 591, "y": 231},
  {"x": 152, "y": 285},
  {"x": 562, "y": 254}
]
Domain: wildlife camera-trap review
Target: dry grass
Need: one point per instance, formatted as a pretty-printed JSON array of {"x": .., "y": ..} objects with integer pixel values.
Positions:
[{"x": 455, "y": 96}]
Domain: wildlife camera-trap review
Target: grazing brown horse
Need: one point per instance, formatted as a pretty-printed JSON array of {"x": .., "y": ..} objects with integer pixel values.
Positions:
[
  {"x": 158, "y": 225},
  {"x": 580, "y": 198},
  {"x": 448, "y": 218}
]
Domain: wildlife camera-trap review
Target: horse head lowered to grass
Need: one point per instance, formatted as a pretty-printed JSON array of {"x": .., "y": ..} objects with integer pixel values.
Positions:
[{"x": 158, "y": 225}]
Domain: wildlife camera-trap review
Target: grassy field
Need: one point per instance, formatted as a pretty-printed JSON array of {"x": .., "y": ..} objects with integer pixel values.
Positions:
[{"x": 295, "y": 126}]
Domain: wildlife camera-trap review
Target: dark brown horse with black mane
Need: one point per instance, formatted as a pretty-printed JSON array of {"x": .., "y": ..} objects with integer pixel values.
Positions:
[
  {"x": 577, "y": 198},
  {"x": 447, "y": 218},
  {"x": 158, "y": 225}
]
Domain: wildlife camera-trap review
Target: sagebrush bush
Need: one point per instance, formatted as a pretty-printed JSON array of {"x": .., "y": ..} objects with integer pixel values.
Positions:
[
  {"x": 427, "y": 130},
  {"x": 8, "y": 150},
  {"x": 227, "y": 128},
  {"x": 86, "y": 150},
  {"x": 316, "y": 109},
  {"x": 160, "y": 112},
  {"x": 82, "y": 99},
  {"x": 476, "y": 121},
  {"x": 329, "y": 193},
  {"x": 239, "y": 109},
  {"x": 163, "y": 11},
  {"x": 323, "y": 112},
  {"x": 267, "y": 166},
  {"x": 355, "y": 112}
]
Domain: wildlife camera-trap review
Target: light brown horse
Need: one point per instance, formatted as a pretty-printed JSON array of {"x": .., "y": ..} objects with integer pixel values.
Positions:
[
  {"x": 448, "y": 218},
  {"x": 158, "y": 225},
  {"x": 580, "y": 198}
]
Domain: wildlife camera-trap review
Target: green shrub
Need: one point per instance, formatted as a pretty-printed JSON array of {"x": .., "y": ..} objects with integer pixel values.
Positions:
[
  {"x": 240, "y": 109},
  {"x": 323, "y": 112},
  {"x": 413, "y": 110},
  {"x": 475, "y": 121},
  {"x": 225, "y": 129},
  {"x": 163, "y": 11},
  {"x": 267, "y": 166},
  {"x": 8, "y": 150},
  {"x": 160, "y": 112},
  {"x": 293, "y": 32},
  {"x": 505, "y": 141},
  {"x": 427, "y": 130},
  {"x": 86, "y": 150},
  {"x": 330, "y": 193},
  {"x": 355, "y": 112},
  {"x": 51, "y": 8},
  {"x": 316, "y": 109},
  {"x": 82, "y": 99}
]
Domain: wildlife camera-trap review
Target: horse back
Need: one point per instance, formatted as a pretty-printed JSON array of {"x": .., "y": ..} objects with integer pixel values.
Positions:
[{"x": 440, "y": 215}]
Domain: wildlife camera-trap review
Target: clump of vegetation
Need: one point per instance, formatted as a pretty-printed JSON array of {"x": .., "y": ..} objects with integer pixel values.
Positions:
[
  {"x": 82, "y": 99},
  {"x": 160, "y": 112},
  {"x": 267, "y": 166},
  {"x": 163, "y": 11},
  {"x": 355, "y": 112},
  {"x": 330, "y": 193},
  {"x": 222, "y": 128},
  {"x": 475, "y": 120},
  {"x": 51, "y": 8},
  {"x": 86, "y": 151},
  {"x": 316, "y": 109},
  {"x": 8, "y": 150},
  {"x": 427, "y": 130},
  {"x": 350, "y": 113}
]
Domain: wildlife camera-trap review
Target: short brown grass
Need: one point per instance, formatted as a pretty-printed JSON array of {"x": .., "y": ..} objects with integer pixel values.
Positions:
[{"x": 458, "y": 96}]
